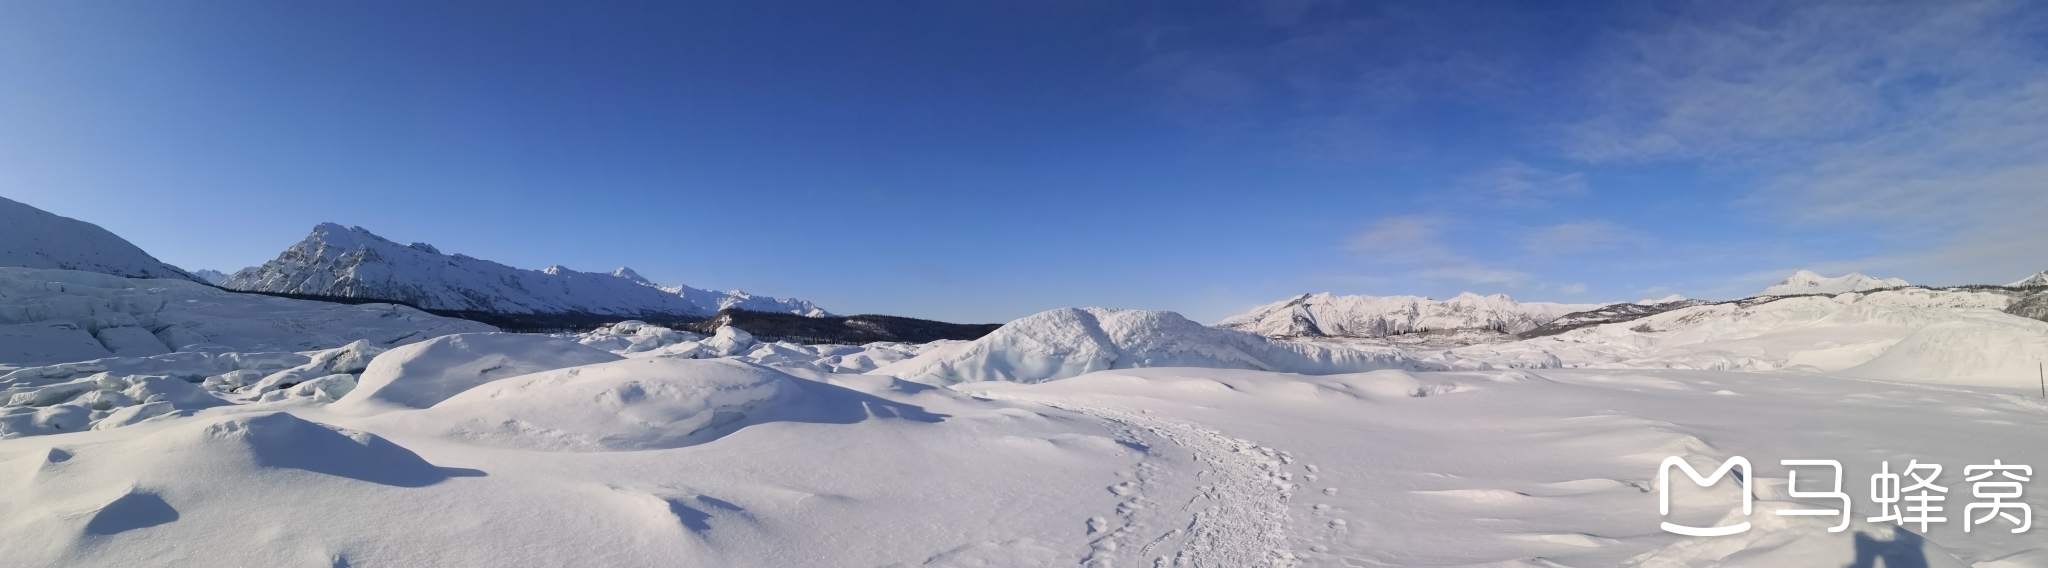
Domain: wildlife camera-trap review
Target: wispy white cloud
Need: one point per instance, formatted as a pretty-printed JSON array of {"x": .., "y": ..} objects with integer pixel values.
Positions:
[
  {"x": 1581, "y": 237},
  {"x": 1573, "y": 288},
  {"x": 1924, "y": 124},
  {"x": 1411, "y": 245},
  {"x": 1511, "y": 182}
]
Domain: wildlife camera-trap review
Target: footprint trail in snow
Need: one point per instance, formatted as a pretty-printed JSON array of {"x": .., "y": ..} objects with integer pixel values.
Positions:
[{"x": 1199, "y": 499}]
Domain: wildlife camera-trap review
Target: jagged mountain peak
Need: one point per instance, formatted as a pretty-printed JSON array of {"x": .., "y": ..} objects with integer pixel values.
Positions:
[{"x": 629, "y": 274}]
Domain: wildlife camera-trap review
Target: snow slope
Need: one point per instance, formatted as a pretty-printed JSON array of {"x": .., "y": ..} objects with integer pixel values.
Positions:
[
  {"x": 1809, "y": 282},
  {"x": 1316, "y": 315},
  {"x": 2039, "y": 279},
  {"x": 352, "y": 262},
  {"x": 1073, "y": 341},
  {"x": 57, "y": 316},
  {"x": 33, "y": 238},
  {"x": 1908, "y": 334}
]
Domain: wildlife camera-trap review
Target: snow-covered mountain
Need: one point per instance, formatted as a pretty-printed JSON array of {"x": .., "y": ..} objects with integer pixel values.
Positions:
[
  {"x": 2040, "y": 279},
  {"x": 214, "y": 277},
  {"x": 1327, "y": 315},
  {"x": 352, "y": 262},
  {"x": 34, "y": 238},
  {"x": 1070, "y": 342},
  {"x": 1809, "y": 282}
]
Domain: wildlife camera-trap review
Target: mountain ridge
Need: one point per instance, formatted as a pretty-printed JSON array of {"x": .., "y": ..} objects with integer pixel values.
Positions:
[
  {"x": 34, "y": 238},
  {"x": 1810, "y": 282},
  {"x": 1330, "y": 315},
  {"x": 352, "y": 262}
]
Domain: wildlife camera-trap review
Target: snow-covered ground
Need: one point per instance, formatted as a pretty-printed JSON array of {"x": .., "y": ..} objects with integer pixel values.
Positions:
[
  {"x": 667, "y": 461},
  {"x": 274, "y": 432}
]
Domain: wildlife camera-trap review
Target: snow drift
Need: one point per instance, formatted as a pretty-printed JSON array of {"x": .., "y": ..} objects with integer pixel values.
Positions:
[{"x": 1069, "y": 342}]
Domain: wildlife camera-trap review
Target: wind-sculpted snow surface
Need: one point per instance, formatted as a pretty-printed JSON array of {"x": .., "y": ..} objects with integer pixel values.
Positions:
[
  {"x": 1326, "y": 315},
  {"x": 1809, "y": 282},
  {"x": 351, "y": 262},
  {"x": 425, "y": 373},
  {"x": 1069, "y": 342},
  {"x": 668, "y": 461},
  {"x": 33, "y": 238},
  {"x": 58, "y": 316}
]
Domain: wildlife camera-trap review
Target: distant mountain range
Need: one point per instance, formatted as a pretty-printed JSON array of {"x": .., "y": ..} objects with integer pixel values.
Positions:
[
  {"x": 34, "y": 238},
  {"x": 351, "y": 262},
  {"x": 1809, "y": 282},
  {"x": 1328, "y": 315}
]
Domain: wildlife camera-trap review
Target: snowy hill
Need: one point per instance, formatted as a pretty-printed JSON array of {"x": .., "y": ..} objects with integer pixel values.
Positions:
[
  {"x": 34, "y": 238},
  {"x": 2040, "y": 279},
  {"x": 1809, "y": 282},
  {"x": 1327, "y": 315},
  {"x": 1069, "y": 342},
  {"x": 352, "y": 262}
]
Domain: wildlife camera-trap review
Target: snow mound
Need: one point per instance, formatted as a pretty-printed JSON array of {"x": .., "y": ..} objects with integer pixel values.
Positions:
[
  {"x": 632, "y": 336},
  {"x": 425, "y": 373},
  {"x": 279, "y": 440},
  {"x": 352, "y": 262},
  {"x": 1326, "y": 315},
  {"x": 640, "y": 404},
  {"x": 1070, "y": 342},
  {"x": 1809, "y": 282},
  {"x": 34, "y": 238},
  {"x": 59, "y": 316}
]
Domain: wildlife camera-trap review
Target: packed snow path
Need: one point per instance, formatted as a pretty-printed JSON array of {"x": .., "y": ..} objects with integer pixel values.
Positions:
[{"x": 1229, "y": 509}]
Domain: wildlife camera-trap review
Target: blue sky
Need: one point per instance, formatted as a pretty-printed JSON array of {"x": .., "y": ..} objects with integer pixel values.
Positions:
[{"x": 980, "y": 161}]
